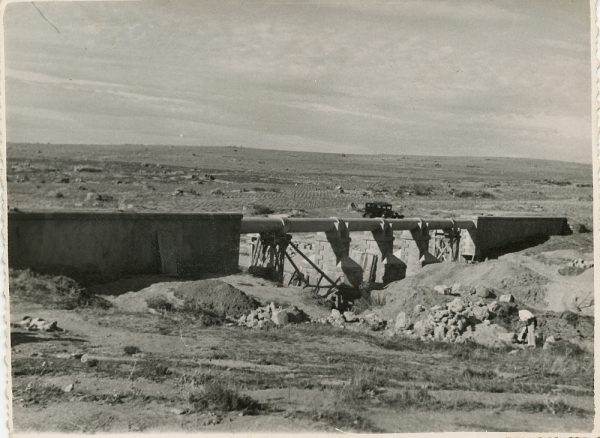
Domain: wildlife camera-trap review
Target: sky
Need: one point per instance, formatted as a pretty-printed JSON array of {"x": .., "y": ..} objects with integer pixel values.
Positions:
[{"x": 445, "y": 77}]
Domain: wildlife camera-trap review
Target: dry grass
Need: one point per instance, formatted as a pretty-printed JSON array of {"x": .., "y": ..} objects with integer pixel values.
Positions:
[{"x": 222, "y": 397}]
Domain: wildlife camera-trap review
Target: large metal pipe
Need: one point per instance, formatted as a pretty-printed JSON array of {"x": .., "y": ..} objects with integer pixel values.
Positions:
[
  {"x": 313, "y": 225},
  {"x": 261, "y": 225},
  {"x": 440, "y": 224}
]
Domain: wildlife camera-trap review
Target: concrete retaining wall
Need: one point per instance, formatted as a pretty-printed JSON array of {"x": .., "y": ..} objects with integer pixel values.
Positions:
[
  {"x": 496, "y": 233},
  {"x": 106, "y": 245}
]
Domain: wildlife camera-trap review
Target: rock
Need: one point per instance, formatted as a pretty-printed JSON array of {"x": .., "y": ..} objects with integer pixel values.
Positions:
[
  {"x": 506, "y": 298},
  {"x": 525, "y": 315},
  {"x": 456, "y": 305},
  {"x": 443, "y": 289},
  {"x": 456, "y": 288},
  {"x": 373, "y": 321},
  {"x": 509, "y": 338},
  {"x": 68, "y": 388},
  {"x": 350, "y": 316},
  {"x": 493, "y": 306},
  {"x": 418, "y": 308},
  {"x": 522, "y": 335},
  {"x": 451, "y": 334},
  {"x": 423, "y": 327},
  {"x": 335, "y": 314},
  {"x": 461, "y": 325},
  {"x": 481, "y": 313},
  {"x": 484, "y": 292},
  {"x": 439, "y": 332},
  {"x": 280, "y": 317},
  {"x": 402, "y": 322}
]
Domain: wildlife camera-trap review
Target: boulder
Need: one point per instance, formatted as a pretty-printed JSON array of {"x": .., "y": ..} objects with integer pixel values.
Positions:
[
  {"x": 418, "y": 308},
  {"x": 456, "y": 288},
  {"x": 506, "y": 298},
  {"x": 456, "y": 305},
  {"x": 402, "y": 322},
  {"x": 335, "y": 314},
  {"x": 481, "y": 313},
  {"x": 451, "y": 334},
  {"x": 439, "y": 332},
  {"x": 443, "y": 289},
  {"x": 280, "y": 317},
  {"x": 484, "y": 292},
  {"x": 350, "y": 316},
  {"x": 423, "y": 327},
  {"x": 493, "y": 306},
  {"x": 525, "y": 315},
  {"x": 372, "y": 321}
]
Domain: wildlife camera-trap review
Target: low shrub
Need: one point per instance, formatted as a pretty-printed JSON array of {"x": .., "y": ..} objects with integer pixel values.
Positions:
[{"x": 218, "y": 396}]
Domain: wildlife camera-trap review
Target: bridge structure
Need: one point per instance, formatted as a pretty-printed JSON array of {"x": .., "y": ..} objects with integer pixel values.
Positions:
[
  {"x": 106, "y": 245},
  {"x": 388, "y": 249}
]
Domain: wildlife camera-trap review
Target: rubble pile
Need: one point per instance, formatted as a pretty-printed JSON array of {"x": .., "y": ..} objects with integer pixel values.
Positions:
[
  {"x": 37, "y": 324},
  {"x": 273, "y": 315},
  {"x": 468, "y": 319},
  {"x": 368, "y": 320}
]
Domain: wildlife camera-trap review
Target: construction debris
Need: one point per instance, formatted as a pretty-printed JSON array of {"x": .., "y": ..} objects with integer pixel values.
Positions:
[
  {"x": 273, "y": 315},
  {"x": 464, "y": 320}
]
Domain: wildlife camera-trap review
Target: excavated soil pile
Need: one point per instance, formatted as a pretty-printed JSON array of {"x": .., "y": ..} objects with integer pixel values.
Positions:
[
  {"x": 212, "y": 297},
  {"x": 51, "y": 291},
  {"x": 503, "y": 277}
]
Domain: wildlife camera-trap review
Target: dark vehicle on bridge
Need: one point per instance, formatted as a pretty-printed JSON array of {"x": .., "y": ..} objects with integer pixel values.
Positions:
[{"x": 381, "y": 209}]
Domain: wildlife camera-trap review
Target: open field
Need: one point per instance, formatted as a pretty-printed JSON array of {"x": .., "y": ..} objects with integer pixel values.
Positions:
[
  {"x": 151, "y": 178},
  {"x": 119, "y": 366}
]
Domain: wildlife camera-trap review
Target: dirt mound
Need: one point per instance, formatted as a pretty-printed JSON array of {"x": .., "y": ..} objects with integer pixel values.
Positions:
[
  {"x": 55, "y": 292},
  {"x": 504, "y": 277},
  {"x": 213, "y": 297},
  {"x": 569, "y": 326}
]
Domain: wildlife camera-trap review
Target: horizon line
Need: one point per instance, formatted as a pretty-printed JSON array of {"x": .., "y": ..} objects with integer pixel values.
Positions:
[{"x": 590, "y": 163}]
